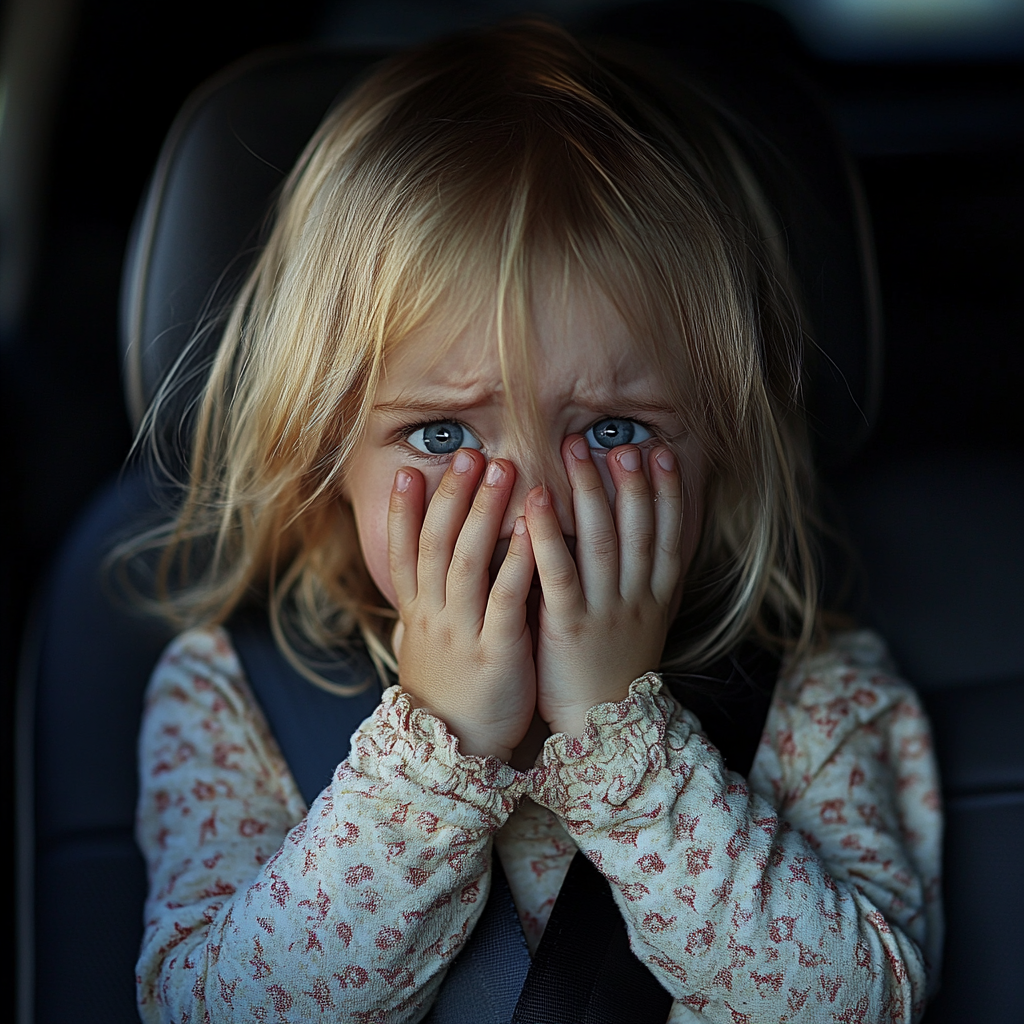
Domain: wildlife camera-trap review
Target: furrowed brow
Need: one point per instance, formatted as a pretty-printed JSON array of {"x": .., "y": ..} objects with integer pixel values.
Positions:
[
  {"x": 411, "y": 403},
  {"x": 601, "y": 398},
  {"x": 602, "y": 403}
]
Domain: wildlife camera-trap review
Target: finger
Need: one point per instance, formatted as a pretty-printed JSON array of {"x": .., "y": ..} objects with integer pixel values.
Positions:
[
  {"x": 559, "y": 582},
  {"x": 468, "y": 574},
  {"x": 444, "y": 518},
  {"x": 666, "y": 482},
  {"x": 634, "y": 520},
  {"x": 506, "y": 607},
  {"x": 597, "y": 544},
  {"x": 405, "y": 519}
]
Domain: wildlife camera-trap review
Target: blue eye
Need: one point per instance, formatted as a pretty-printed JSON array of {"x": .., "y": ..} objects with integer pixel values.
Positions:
[
  {"x": 442, "y": 438},
  {"x": 610, "y": 433}
]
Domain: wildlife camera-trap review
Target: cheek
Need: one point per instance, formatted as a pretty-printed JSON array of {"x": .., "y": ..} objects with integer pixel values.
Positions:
[
  {"x": 369, "y": 494},
  {"x": 373, "y": 540},
  {"x": 370, "y": 509}
]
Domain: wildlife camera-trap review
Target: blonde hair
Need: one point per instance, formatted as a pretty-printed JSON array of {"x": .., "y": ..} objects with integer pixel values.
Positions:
[{"x": 441, "y": 184}]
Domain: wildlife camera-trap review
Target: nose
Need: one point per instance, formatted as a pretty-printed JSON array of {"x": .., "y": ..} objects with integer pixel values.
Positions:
[{"x": 526, "y": 479}]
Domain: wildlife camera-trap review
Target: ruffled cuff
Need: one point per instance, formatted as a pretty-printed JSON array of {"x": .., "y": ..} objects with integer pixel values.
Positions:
[
  {"x": 399, "y": 741},
  {"x": 613, "y": 763}
]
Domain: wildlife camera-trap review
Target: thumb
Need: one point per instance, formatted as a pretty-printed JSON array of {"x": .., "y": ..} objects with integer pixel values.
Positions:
[{"x": 396, "y": 638}]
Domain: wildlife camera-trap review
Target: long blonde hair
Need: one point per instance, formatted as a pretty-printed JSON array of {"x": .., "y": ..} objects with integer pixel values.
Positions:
[{"x": 438, "y": 185}]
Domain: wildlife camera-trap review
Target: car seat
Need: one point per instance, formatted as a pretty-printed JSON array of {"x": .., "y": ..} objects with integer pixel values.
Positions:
[{"x": 88, "y": 656}]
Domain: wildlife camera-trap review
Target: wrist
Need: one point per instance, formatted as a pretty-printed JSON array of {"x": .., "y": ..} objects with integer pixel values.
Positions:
[
  {"x": 581, "y": 778},
  {"x": 571, "y": 719},
  {"x": 409, "y": 747},
  {"x": 472, "y": 744},
  {"x": 472, "y": 741}
]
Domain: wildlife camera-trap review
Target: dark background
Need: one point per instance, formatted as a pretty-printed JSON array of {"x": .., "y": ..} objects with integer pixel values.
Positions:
[{"x": 938, "y": 137}]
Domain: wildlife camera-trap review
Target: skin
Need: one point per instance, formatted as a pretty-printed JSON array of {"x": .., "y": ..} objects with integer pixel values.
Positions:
[{"x": 523, "y": 601}]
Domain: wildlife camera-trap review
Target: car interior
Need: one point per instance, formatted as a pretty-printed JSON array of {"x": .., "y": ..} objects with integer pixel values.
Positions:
[{"x": 892, "y": 152}]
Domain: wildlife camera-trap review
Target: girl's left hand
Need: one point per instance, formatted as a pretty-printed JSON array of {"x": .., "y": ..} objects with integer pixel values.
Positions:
[{"x": 604, "y": 615}]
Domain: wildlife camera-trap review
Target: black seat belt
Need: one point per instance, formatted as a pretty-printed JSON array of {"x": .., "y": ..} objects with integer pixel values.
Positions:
[{"x": 584, "y": 971}]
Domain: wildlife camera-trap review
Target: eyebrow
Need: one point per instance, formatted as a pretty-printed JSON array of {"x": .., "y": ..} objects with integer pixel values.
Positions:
[{"x": 427, "y": 405}]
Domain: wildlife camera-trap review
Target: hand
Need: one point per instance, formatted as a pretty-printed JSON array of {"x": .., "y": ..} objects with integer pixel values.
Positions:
[
  {"x": 604, "y": 616},
  {"x": 465, "y": 651}
]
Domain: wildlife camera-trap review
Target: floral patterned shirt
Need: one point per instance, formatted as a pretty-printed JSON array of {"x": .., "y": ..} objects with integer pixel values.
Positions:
[{"x": 806, "y": 892}]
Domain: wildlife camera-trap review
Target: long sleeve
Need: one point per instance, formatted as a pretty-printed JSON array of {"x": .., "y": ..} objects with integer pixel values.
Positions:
[
  {"x": 258, "y": 910},
  {"x": 809, "y": 893}
]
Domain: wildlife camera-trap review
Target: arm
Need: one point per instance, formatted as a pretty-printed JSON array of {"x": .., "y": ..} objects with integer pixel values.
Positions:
[
  {"x": 820, "y": 899},
  {"x": 357, "y": 907}
]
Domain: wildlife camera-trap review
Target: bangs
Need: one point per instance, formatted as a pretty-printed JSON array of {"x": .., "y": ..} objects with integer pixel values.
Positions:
[{"x": 531, "y": 186}]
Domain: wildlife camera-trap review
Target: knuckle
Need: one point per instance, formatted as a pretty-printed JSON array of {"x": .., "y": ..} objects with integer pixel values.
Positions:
[
  {"x": 671, "y": 546},
  {"x": 461, "y": 568},
  {"x": 431, "y": 537},
  {"x": 480, "y": 511},
  {"x": 604, "y": 544},
  {"x": 641, "y": 544},
  {"x": 574, "y": 631},
  {"x": 589, "y": 484},
  {"x": 671, "y": 541},
  {"x": 422, "y": 623},
  {"x": 397, "y": 564},
  {"x": 502, "y": 593},
  {"x": 562, "y": 577},
  {"x": 635, "y": 496},
  {"x": 669, "y": 497}
]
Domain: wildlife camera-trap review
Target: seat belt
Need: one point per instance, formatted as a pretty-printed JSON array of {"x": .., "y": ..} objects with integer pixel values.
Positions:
[{"x": 584, "y": 971}]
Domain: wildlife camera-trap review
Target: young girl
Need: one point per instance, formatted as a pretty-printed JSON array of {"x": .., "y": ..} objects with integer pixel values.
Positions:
[{"x": 513, "y": 396}]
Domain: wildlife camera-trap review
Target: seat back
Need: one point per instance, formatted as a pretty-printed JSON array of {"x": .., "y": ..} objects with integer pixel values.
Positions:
[
  {"x": 88, "y": 656},
  {"x": 82, "y": 880},
  {"x": 943, "y": 552}
]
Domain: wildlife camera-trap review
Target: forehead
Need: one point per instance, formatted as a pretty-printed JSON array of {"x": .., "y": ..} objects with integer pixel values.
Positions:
[{"x": 578, "y": 349}]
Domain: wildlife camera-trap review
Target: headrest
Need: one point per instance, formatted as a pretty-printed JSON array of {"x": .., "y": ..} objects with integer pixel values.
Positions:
[{"x": 206, "y": 208}]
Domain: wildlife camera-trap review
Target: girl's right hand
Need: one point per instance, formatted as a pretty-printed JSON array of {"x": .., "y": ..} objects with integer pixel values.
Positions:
[{"x": 465, "y": 652}]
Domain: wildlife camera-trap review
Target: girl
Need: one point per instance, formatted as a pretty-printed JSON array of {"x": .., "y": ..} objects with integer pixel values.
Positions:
[{"x": 513, "y": 396}]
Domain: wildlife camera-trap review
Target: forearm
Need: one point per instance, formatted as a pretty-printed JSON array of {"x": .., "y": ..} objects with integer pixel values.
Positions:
[
  {"x": 723, "y": 900},
  {"x": 363, "y": 904},
  {"x": 341, "y": 916}
]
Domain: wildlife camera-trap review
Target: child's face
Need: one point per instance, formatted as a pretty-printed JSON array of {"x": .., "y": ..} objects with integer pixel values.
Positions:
[{"x": 591, "y": 379}]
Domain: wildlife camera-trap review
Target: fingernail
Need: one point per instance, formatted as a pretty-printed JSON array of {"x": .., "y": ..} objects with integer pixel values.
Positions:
[
  {"x": 495, "y": 474},
  {"x": 541, "y": 497},
  {"x": 580, "y": 449},
  {"x": 519, "y": 526},
  {"x": 629, "y": 460},
  {"x": 462, "y": 463},
  {"x": 402, "y": 481},
  {"x": 665, "y": 459}
]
